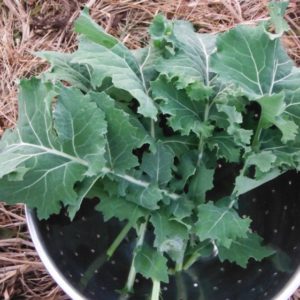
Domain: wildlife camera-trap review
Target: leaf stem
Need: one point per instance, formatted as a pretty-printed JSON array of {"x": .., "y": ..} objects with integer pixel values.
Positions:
[
  {"x": 155, "y": 290},
  {"x": 139, "y": 182},
  {"x": 152, "y": 128},
  {"x": 179, "y": 266},
  {"x": 111, "y": 250},
  {"x": 256, "y": 137},
  {"x": 131, "y": 278},
  {"x": 181, "y": 288},
  {"x": 201, "y": 142},
  {"x": 132, "y": 272}
]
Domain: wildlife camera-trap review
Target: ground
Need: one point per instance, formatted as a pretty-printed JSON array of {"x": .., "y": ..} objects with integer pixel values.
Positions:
[{"x": 27, "y": 26}]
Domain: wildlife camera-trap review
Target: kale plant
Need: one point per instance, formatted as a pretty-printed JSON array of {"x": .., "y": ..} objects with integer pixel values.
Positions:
[{"x": 145, "y": 132}]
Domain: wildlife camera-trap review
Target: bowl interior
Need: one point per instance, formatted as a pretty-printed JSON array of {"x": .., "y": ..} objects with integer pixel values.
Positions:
[{"x": 78, "y": 251}]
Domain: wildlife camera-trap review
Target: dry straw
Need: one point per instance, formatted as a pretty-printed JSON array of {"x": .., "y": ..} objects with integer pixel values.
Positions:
[{"x": 33, "y": 25}]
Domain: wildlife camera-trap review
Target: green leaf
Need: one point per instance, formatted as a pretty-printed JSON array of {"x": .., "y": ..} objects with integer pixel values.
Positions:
[
  {"x": 245, "y": 184},
  {"x": 74, "y": 130},
  {"x": 220, "y": 224},
  {"x": 186, "y": 168},
  {"x": 88, "y": 28},
  {"x": 181, "y": 208},
  {"x": 63, "y": 69},
  {"x": 103, "y": 63},
  {"x": 225, "y": 145},
  {"x": 197, "y": 91},
  {"x": 158, "y": 165},
  {"x": 263, "y": 160},
  {"x": 82, "y": 189},
  {"x": 201, "y": 182},
  {"x": 256, "y": 64},
  {"x": 200, "y": 250},
  {"x": 151, "y": 264},
  {"x": 277, "y": 11},
  {"x": 180, "y": 144},
  {"x": 122, "y": 136},
  {"x": 185, "y": 114},
  {"x": 292, "y": 107},
  {"x": 242, "y": 249},
  {"x": 51, "y": 160},
  {"x": 190, "y": 63},
  {"x": 118, "y": 207},
  {"x": 170, "y": 235},
  {"x": 161, "y": 34},
  {"x": 147, "y": 197},
  {"x": 228, "y": 118},
  {"x": 273, "y": 113}
]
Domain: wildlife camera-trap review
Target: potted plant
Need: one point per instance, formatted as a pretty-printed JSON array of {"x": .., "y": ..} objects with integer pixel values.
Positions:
[{"x": 163, "y": 142}]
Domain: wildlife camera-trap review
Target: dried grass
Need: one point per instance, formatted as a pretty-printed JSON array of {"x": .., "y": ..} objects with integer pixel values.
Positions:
[{"x": 33, "y": 25}]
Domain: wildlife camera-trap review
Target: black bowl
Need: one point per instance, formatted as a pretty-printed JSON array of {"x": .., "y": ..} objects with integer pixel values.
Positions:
[{"x": 74, "y": 253}]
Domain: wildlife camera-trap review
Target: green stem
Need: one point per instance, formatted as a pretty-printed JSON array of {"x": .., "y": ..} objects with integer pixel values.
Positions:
[
  {"x": 132, "y": 272},
  {"x": 178, "y": 267},
  {"x": 191, "y": 260},
  {"x": 121, "y": 236},
  {"x": 181, "y": 288},
  {"x": 255, "y": 142},
  {"x": 201, "y": 142},
  {"x": 155, "y": 290},
  {"x": 131, "y": 277},
  {"x": 90, "y": 272},
  {"x": 152, "y": 128}
]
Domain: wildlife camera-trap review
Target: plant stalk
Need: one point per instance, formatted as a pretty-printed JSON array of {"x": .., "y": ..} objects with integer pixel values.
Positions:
[
  {"x": 121, "y": 236},
  {"x": 201, "y": 142},
  {"x": 255, "y": 142},
  {"x": 132, "y": 272},
  {"x": 155, "y": 290},
  {"x": 181, "y": 288}
]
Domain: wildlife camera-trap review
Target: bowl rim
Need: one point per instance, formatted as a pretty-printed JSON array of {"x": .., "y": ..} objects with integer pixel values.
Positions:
[
  {"x": 48, "y": 262},
  {"x": 286, "y": 292}
]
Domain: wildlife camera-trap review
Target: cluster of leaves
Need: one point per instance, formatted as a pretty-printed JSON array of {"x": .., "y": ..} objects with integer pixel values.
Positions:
[{"x": 145, "y": 131}]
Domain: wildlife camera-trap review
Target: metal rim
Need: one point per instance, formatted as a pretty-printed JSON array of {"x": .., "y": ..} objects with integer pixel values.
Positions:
[
  {"x": 286, "y": 292},
  {"x": 47, "y": 261},
  {"x": 290, "y": 287}
]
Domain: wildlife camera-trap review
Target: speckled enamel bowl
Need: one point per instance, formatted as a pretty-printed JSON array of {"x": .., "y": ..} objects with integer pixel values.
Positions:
[{"x": 74, "y": 253}]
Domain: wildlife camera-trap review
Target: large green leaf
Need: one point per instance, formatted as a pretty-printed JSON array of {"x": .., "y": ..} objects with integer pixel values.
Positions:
[
  {"x": 185, "y": 115},
  {"x": 158, "y": 165},
  {"x": 185, "y": 168},
  {"x": 170, "y": 235},
  {"x": 118, "y": 207},
  {"x": 74, "y": 131},
  {"x": 292, "y": 107},
  {"x": 273, "y": 113},
  {"x": 104, "y": 63},
  {"x": 63, "y": 69},
  {"x": 50, "y": 165},
  {"x": 244, "y": 184},
  {"x": 225, "y": 145},
  {"x": 201, "y": 183},
  {"x": 228, "y": 118},
  {"x": 147, "y": 197},
  {"x": 222, "y": 224},
  {"x": 263, "y": 160},
  {"x": 247, "y": 57},
  {"x": 82, "y": 189},
  {"x": 87, "y": 27},
  {"x": 242, "y": 249},
  {"x": 122, "y": 136},
  {"x": 191, "y": 60},
  {"x": 151, "y": 264}
]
